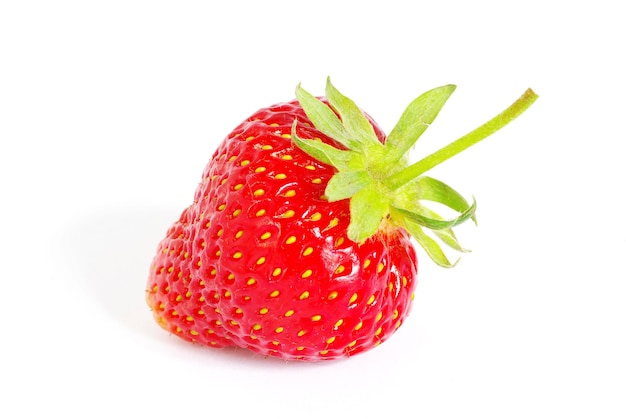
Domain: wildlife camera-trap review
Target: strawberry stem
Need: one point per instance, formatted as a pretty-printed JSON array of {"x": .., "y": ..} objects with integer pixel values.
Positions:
[{"x": 509, "y": 114}]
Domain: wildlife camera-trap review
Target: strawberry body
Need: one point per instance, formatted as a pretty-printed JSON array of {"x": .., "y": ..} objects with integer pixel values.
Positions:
[{"x": 262, "y": 260}]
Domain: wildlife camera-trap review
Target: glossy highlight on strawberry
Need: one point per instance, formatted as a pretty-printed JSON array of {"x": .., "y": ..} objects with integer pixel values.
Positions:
[{"x": 279, "y": 255}]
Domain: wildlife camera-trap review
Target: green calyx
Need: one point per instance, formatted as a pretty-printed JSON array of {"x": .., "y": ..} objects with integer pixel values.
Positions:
[{"x": 382, "y": 185}]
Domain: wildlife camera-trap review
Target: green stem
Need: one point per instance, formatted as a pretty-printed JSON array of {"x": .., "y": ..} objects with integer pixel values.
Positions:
[{"x": 468, "y": 140}]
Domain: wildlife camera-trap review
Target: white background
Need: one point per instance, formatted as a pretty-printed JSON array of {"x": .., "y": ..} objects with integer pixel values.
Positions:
[{"x": 109, "y": 111}]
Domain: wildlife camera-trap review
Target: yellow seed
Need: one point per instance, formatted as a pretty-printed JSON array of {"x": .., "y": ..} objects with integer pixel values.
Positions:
[
  {"x": 259, "y": 192},
  {"x": 390, "y": 286},
  {"x": 267, "y": 147},
  {"x": 353, "y": 298},
  {"x": 366, "y": 263},
  {"x": 404, "y": 281},
  {"x": 398, "y": 323},
  {"x": 289, "y": 214},
  {"x": 276, "y": 272},
  {"x": 221, "y": 207},
  {"x": 307, "y": 251},
  {"x": 316, "y": 181},
  {"x": 300, "y": 348},
  {"x": 237, "y": 212},
  {"x": 285, "y": 135},
  {"x": 358, "y": 326},
  {"x": 310, "y": 167},
  {"x": 289, "y": 313},
  {"x": 324, "y": 352},
  {"x": 316, "y": 217},
  {"x": 379, "y": 331},
  {"x": 256, "y": 327},
  {"x": 264, "y": 310},
  {"x": 279, "y": 329},
  {"x": 339, "y": 323},
  {"x": 333, "y": 295},
  {"x": 291, "y": 240},
  {"x": 287, "y": 157},
  {"x": 239, "y": 234},
  {"x": 227, "y": 294},
  {"x": 301, "y": 333},
  {"x": 340, "y": 269},
  {"x": 251, "y": 281},
  {"x": 330, "y": 340},
  {"x": 412, "y": 296},
  {"x": 379, "y": 316},
  {"x": 220, "y": 232},
  {"x": 266, "y": 235},
  {"x": 218, "y": 323},
  {"x": 179, "y": 298},
  {"x": 351, "y": 344},
  {"x": 244, "y": 162},
  {"x": 395, "y": 314},
  {"x": 232, "y": 158},
  {"x": 231, "y": 276},
  {"x": 371, "y": 300},
  {"x": 290, "y": 193},
  {"x": 274, "y": 124},
  {"x": 380, "y": 267},
  {"x": 239, "y": 311},
  {"x": 339, "y": 241},
  {"x": 307, "y": 273},
  {"x": 260, "y": 213},
  {"x": 260, "y": 261},
  {"x": 237, "y": 255},
  {"x": 304, "y": 295},
  {"x": 280, "y": 176},
  {"x": 316, "y": 318},
  {"x": 260, "y": 169},
  {"x": 249, "y": 138},
  {"x": 274, "y": 293},
  {"x": 234, "y": 323},
  {"x": 193, "y": 332},
  {"x": 333, "y": 223},
  {"x": 238, "y": 186}
]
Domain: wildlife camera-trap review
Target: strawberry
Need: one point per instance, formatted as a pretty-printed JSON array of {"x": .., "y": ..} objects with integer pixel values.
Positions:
[{"x": 298, "y": 243}]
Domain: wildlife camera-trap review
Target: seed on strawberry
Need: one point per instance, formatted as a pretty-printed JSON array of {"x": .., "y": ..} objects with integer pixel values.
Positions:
[{"x": 298, "y": 243}]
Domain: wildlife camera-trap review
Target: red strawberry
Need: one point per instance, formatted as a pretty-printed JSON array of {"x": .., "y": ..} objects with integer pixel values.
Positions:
[{"x": 300, "y": 248}]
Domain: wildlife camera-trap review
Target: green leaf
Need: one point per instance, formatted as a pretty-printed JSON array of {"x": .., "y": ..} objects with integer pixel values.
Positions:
[
  {"x": 435, "y": 190},
  {"x": 340, "y": 159},
  {"x": 345, "y": 184},
  {"x": 449, "y": 238},
  {"x": 367, "y": 209},
  {"x": 416, "y": 118},
  {"x": 446, "y": 235},
  {"x": 325, "y": 120},
  {"x": 429, "y": 189},
  {"x": 430, "y": 245},
  {"x": 353, "y": 119},
  {"x": 437, "y": 223}
]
